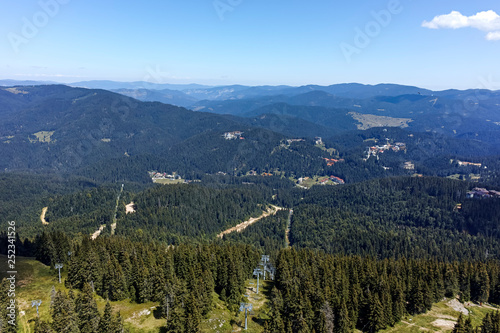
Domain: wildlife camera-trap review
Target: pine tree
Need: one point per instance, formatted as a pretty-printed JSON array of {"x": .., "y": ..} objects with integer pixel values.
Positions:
[
  {"x": 105, "y": 322},
  {"x": 45, "y": 250},
  {"x": 275, "y": 324},
  {"x": 491, "y": 323},
  {"x": 64, "y": 317},
  {"x": 398, "y": 303},
  {"x": 376, "y": 316},
  {"x": 193, "y": 315},
  {"x": 487, "y": 325},
  {"x": 482, "y": 284},
  {"x": 76, "y": 273},
  {"x": 495, "y": 321},
  {"x": 344, "y": 323},
  {"x": 117, "y": 324},
  {"x": 468, "y": 326},
  {"x": 86, "y": 308},
  {"x": 93, "y": 272},
  {"x": 177, "y": 321},
  {"x": 459, "y": 326},
  {"x": 114, "y": 281},
  {"x": 451, "y": 282},
  {"x": 416, "y": 302},
  {"x": 173, "y": 294},
  {"x": 42, "y": 326}
]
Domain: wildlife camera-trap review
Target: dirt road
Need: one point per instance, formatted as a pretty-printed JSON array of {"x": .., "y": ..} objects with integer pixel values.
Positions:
[
  {"x": 242, "y": 226},
  {"x": 42, "y": 216}
]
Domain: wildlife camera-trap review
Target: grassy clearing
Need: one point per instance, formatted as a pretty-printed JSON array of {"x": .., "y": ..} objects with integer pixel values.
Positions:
[
  {"x": 35, "y": 281},
  {"x": 309, "y": 182},
  {"x": 331, "y": 151},
  {"x": 168, "y": 181},
  {"x": 259, "y": 313},
  {"x": 43, "y": 136},
  {"x": 367, "y": 121},
  {"x": 221, "y": 320},
  {"x": 441, "y": 318}
]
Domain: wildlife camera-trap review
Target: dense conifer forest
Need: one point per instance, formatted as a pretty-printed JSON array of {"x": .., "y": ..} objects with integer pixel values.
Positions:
[
  {"x": 395, "y": 231},
  {"x": 313, "y": 291}
]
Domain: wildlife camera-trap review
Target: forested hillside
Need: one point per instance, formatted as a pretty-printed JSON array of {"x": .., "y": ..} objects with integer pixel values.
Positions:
[
  {"x": 108, "y": 137},
  {"x": 389, "y": 218},
  {"x": 151, "y": 206},
  {"x": 324, "y": 293},
  {"x": 312, "y": 291}
]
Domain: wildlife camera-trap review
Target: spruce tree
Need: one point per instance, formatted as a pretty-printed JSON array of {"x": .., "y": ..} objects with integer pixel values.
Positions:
[
  {"x": 275, "y": 324},
  {"x": 117, "y": 324},
  {"x": 487, "y": 325},
  {"x": 376, "y": 316},
  {"x": 106, "y": 320},
  {"x": 177, "y": 321},
  {"x": 42, "y": 326},
  {"x": 459, "y": 326},
  {"x": 64, "y": 317},
  {"x": 495, "y": 321},
  {"x": 86, "y": 308},
  {"x": 344, "y": 322},
  {"x": 193, "y": 315},
  {"x": 468, "y": 326}
]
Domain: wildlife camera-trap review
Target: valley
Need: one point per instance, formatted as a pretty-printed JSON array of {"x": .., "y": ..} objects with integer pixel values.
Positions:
[
  {"x": 250, "y": 166},
  {"x": 372, "y": 221}
]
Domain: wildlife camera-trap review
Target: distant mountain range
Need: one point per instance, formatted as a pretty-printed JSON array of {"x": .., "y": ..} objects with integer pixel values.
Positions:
[{"x": 57, "y": 127}]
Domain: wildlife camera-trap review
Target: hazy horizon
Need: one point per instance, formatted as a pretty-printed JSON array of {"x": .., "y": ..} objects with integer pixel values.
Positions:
[{"x": 444, "y": 45}]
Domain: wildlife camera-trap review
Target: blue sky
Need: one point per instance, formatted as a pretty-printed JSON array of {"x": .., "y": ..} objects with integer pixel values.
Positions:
[{"x": 253, "y": 42}]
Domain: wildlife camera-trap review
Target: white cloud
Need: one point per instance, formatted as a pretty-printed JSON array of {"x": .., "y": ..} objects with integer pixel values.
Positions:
[
  {"x": 488, "y": 21},
  {"x": 493, "y": 35}
]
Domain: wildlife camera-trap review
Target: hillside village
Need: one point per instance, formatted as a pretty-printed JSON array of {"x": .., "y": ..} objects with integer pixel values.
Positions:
[
  {"x": 482, "y": 193},
  {"x": 233, "y": 135},
  {"x": 465, "y": 163},
  {"x": 164, "y": 178},
  {"x": 375, "y": 150},
  {"x": 308, "y": 182},
  {"x": 333, "y": 161}
]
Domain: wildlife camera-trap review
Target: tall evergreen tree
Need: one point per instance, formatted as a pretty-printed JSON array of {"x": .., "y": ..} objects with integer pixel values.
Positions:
[
  {"x": 106, "y": 321},
  {"x": 193, "y": 315},
  {"x": 459, "y": 326},
  {"x": 86, "y": 308},
  {"x": 376, "y": 316},
  {"x": 42, "y": 326},
  {"x": 117, "y": 324},
  {"x": 64, "y": 317},
  {"x": 275, "y": 324}
]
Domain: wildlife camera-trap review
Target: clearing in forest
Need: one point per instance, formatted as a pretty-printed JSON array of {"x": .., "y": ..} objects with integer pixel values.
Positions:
[
  {"x": 129, "y": 209},
  {"x": 42, "y": 216},
  {"x": 367, "y": 121},
  {"x": 98, "y": 232},
  {"x": 242, "y": 226}
]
